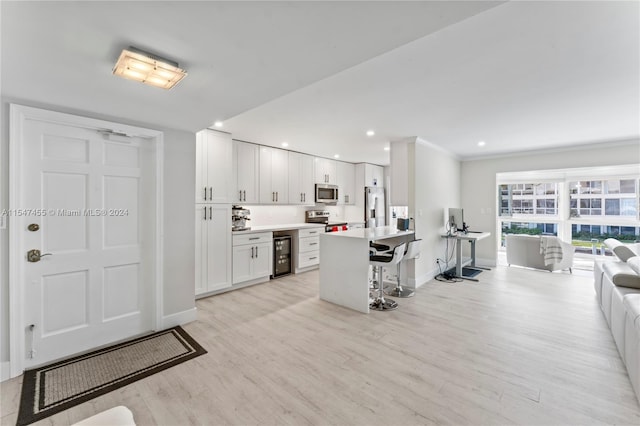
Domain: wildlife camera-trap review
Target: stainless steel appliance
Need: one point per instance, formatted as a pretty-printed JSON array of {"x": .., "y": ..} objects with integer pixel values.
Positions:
[
  {"x": 281, "y": 255},
  {"x": 322, "y": 216},
  {"x": 374, "y": 207},
  {"x": 239, "y": 218},
  {"x": 326, "y": 194}
]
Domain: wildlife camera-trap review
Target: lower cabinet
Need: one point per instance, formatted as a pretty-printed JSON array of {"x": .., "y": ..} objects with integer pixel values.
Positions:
[
  {"x": 252, "y": 254},
  {"x": 308, "y": 243},
  {"x": 213, "y": 247}
]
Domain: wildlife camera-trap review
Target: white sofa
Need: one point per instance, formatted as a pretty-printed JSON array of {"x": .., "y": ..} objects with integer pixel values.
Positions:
[
  {"x": 524, "y": 250},
  {"x": 617, "y": 286}
]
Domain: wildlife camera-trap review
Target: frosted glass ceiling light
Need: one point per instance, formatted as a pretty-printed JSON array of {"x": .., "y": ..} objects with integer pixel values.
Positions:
[{"x": 135, "y": 64}]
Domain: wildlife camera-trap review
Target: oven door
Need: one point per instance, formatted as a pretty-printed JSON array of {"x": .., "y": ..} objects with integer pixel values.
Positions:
[{"x": 327, "y": 194}]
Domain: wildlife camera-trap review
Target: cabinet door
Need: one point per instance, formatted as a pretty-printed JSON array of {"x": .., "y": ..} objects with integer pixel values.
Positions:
[
  {"x": 202, "y": 185},
  {"x": 267, "y": 195},
  {"x": 243, "y": 263},
  {"x": 201, "y": 248},
  {"x": 325, "y": 170},
  {"x": 219, "y": 166},
  {"x": 219, "y": 247},
  {"x": 261, "y": 261},
  {"x": 247, "y": 161},
  {"x": 280, "y": 175},
  {"x": 373, "y": 175},
  {"x": 346, "y": 173},
  {"x": 301, "y": 179}
]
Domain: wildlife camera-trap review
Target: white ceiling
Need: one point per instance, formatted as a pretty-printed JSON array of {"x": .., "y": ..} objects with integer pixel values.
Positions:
[{"x": 518, "y": 75}]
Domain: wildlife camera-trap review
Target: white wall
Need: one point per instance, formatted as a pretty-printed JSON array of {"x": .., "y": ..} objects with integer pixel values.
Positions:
[
  {"x": 478, "y": 180},
  {"x": 179, "y": 225}
]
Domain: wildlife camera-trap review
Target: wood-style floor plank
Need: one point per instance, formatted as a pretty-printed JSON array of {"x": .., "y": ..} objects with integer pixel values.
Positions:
[{"x": 518, "y": 347}]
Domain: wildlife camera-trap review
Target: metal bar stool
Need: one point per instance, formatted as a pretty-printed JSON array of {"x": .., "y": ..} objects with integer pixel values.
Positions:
[
  {"x": 376, "y": 249},
  {"x": 413, "y": 250},
  {"x": 379, "y": 262}
]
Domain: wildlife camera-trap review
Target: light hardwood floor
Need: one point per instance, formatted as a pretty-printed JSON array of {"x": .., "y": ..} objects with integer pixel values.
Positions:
[{"x": 519, "y": 347}]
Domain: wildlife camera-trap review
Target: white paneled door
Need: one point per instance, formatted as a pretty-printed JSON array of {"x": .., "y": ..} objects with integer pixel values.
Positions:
[{"x": 88, "y": 201}]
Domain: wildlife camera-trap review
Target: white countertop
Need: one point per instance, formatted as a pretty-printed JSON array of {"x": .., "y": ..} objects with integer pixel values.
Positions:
[
  {"x": 285, "y": 227},
  {"x": 371, "y": 234}
]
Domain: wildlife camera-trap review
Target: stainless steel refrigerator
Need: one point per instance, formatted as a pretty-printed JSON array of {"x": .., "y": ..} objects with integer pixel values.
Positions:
[{"x": 374, "y": 207}]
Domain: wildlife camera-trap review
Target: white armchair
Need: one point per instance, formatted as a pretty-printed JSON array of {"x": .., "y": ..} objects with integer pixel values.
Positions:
[{"x": 524, "y": 250}]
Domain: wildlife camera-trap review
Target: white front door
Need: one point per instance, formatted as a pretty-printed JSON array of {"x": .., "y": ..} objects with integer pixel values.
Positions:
[{"x": 88, "y": 203}]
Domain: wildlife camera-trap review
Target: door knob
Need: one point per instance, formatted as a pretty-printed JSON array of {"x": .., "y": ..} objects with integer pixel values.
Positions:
[{"x": 34, "y": 255}]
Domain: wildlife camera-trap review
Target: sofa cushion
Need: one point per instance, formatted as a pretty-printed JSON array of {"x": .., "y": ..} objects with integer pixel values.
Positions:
[
  {"x": 632, "y": 339},
  {"x": 634, "y": 264},
  {"x": 621, "y": 250},
  {"x": 621, "y": 274}
]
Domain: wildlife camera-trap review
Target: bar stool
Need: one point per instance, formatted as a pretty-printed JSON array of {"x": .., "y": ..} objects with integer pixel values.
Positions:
[
  {"x": 379, "y": 262},
  {"x": 413, "y": 250},
  {"x": 376, "y": 249}
]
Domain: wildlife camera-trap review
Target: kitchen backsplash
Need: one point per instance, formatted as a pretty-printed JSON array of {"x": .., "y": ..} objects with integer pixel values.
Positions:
[{"x": 279, "y": 215}]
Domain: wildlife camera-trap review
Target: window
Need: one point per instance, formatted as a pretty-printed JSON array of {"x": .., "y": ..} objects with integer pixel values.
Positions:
[
  {"x": 528, "y": 199},
  {"x": 619, "y": 198}
]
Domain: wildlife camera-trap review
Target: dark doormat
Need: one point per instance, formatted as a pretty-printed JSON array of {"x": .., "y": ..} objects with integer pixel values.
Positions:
[{"x": 56, "y": 387}]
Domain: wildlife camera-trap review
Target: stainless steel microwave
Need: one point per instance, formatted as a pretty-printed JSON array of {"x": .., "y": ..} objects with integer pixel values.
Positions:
[{"x": 326, "y": 194}]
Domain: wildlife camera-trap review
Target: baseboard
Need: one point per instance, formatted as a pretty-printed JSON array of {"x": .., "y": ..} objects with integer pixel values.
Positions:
[
  {"x": 488, "y": 263},
  {"x": 423, "y": 279},
  {"x": 5, "y": 371},
  {"x": 179, "y": 318}
]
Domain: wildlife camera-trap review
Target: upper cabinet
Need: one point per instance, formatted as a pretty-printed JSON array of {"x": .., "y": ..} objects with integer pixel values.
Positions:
[
  {"x": 325, "y": 170},
  {"x": 246, "y": 159},
  {"x": 214, "y": 179},
  {"x": 373, "y": 175},
  {"x": 346, "y": 178},
  {"x": 274, "y": 175},
  {"x": 301, "y": 179}
]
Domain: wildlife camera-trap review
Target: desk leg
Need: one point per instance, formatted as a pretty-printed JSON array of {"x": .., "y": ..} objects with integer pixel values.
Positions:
[
  {"x": 473, "y": 253},
  {"x": 458, "y": 257}
]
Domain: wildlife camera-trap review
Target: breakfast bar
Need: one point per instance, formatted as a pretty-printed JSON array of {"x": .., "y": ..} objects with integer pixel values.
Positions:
[{"x": 344, "y": 263}]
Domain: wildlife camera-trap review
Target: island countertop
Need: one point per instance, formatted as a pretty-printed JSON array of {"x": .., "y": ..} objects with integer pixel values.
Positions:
[{"x": 370, "y": 234}]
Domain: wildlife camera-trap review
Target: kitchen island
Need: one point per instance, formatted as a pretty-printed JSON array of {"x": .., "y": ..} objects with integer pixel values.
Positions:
[{"x": 344, "y": 263}]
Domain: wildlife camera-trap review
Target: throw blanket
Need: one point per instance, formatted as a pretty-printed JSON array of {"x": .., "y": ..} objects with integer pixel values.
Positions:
[{"x": 551, "y": 250}]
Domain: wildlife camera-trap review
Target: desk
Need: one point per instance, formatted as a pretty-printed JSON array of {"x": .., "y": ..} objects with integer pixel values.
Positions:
[
  {"x": 472, "y": 237},
  {"x": 344, "y": 263}
]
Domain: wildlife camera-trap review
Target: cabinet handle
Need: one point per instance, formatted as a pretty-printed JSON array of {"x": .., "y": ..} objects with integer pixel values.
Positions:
[
  {"x": 205, "y": 212},
  {"x": 252, "y": 249},
  {"x": 312, "y": 244},
  {"x": 210, "y": 213},
  {"x": 211, "y": 193},
  {"x": 256, "y": 252},
  {"x": 305, "y": 197},
  {"x": 313, "y": 232},
  {"x": 244, "y": 195},
  {"x": 240, "y": 195},
  {"x": 254, "y": 238},
  {"x": 205, "y": 193},
  {"x": 276, "y": 196},
  {"x": 301, "y": 200},
  {"x": 314, "y": 257}
]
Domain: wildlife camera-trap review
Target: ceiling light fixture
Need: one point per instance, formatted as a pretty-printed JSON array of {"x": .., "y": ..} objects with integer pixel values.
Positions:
[
  {"x": 386, "y": 148},
  {"x": 285, "y": 144},
  {"x": 336, "y": 156},
  {"x": 370, "y": 133},
  {"x": 482, "y": 143},
  {"x": 218, "y": 124},
  {"x": 135, "y": 64}
]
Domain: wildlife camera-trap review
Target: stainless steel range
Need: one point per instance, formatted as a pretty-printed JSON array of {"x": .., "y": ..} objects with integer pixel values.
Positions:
[{"x": 322, "y": 216}]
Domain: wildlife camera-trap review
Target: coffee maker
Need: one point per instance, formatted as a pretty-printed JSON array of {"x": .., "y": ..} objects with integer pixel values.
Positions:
[{"x": 239, "y": 218}]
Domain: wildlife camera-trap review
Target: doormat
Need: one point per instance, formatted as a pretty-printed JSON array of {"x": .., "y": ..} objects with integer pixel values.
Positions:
[{"x": 56, "y": 387}]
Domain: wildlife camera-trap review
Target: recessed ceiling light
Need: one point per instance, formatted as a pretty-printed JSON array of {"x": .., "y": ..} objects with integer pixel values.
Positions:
[
  {"x": 370, "y": 133},
  {"x": 218, "y": 124},
  {"x": 138, "y": 65},
  {"x": 285, "y": 144},
  {"x": 482, "y": 143},
  {"x": 336, "y": 156},
  {"x": 386, "y": 148}
]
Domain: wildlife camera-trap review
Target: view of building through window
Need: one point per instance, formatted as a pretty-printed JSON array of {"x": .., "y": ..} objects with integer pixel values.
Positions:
[{"x": 583, "y": 211}]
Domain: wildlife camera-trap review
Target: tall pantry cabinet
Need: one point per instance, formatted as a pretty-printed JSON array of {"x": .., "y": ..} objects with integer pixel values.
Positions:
[{"x": 215, "y": 188}]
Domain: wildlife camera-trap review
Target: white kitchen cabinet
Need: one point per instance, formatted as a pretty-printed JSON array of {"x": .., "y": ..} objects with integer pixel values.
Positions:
[
  {"x": 246, "y": 159},
  {"x": 252, "y": 254},
  {"x": 325, "y": 171},
  {"x": 274, "y": 175},
  {"x": 308, "y": 249},
  {"x": 301, "y": 179},
  {"x": 213, "y": 247},
  {"x": 346, "y": 179},
  {"x": 373, "y": 175},
  {"x": 215, "y": 180}
]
